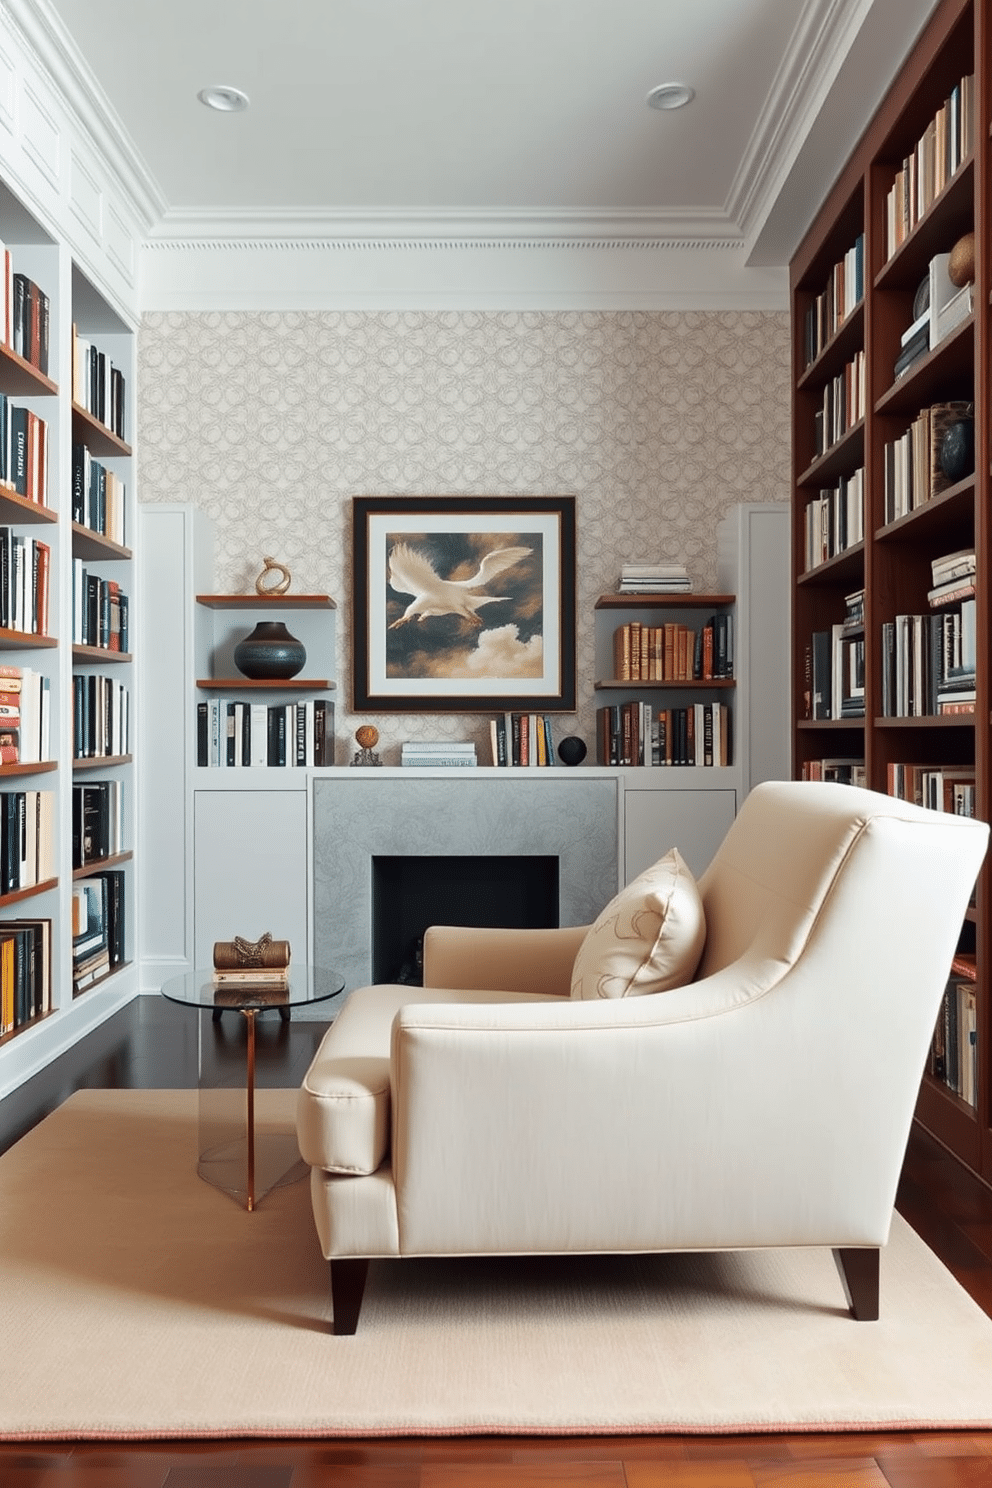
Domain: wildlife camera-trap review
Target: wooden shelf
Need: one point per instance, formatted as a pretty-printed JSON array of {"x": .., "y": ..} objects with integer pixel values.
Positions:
[
  {"x": 244, "y": 684},
  {"x": 22, "y": 378},
  {"x": 705, "y": 684},
  {"x": 15, "y": 640},
  {"x": 14, "y": 508},
  {"x": 893, "y": 564},
  {"x": 98, "y": 439},
  {"x": 39, "y": 768},
  {"x": 100, "y": 761},
  {"x": 99, "y": 864},
  {"x": 663, "y": 601},
  {"x": 98, "y": 653},
  {"x": 89, "y": 544},
  {"x": 266, "y": 601},
  {"x": 19, "y": 895}
]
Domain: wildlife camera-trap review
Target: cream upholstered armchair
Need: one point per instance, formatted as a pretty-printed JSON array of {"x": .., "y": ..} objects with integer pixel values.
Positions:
[{"x": 543, "y": 1094}]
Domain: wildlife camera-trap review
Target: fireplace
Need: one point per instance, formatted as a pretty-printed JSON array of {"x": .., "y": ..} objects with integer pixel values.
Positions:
[
  {"x": 499, "y": 816},
  {"x": 409, "y": 893}
]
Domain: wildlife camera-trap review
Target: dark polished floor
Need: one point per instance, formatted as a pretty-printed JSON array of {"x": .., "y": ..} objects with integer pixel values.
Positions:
[{"x": 152, "y": 1044}]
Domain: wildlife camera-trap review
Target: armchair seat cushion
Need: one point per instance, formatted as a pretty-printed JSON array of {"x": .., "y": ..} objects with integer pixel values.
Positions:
[
  {"x": 649, "y": 938},
  {"x": 343, "y": 1108}
]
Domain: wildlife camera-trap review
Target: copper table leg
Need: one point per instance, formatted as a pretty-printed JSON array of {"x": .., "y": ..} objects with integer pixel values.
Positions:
[{"x": 250, "y": 1015}]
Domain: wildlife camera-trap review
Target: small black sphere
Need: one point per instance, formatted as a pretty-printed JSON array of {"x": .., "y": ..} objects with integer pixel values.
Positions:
[{"x": 572, "y": 750}]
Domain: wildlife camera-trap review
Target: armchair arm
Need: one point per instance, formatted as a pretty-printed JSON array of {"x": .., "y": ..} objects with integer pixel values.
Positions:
[{"x": 537, "y": 961}]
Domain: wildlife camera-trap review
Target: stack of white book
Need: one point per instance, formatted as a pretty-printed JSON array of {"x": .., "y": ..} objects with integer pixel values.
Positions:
[
  {"x": 443, "y": 753},
  {"x": 654, "y": 578}
]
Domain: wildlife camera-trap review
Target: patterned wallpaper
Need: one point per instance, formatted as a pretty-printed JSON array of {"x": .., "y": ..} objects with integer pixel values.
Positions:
[{"x": 657, "y": 422}]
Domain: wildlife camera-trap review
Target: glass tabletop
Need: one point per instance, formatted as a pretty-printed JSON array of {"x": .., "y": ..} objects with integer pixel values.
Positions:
[{"x": 302, "y": 983}]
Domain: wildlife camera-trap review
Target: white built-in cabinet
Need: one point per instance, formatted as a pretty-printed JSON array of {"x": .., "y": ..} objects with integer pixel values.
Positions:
[
  {"x": 67, "y": 550},
  {"x": 234, "y": 848}
]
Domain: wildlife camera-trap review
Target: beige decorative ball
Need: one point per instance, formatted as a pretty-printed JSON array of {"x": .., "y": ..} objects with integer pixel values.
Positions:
[
  {"x": 961, "y": 264},
  {"x": 367, "y": 736}
]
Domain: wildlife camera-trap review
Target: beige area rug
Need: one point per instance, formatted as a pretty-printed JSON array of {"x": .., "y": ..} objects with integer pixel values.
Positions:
[{"x": 138, "y": 1301}]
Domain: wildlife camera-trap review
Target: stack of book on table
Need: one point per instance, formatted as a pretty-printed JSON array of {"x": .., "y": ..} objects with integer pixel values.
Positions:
[
  {"x": 654, "y": 578},
  {"x": 244, "y": 971},
  {"x": 439, "y": 753}
]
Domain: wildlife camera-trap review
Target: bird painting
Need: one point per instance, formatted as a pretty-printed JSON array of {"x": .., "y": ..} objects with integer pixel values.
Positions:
[{"x": 411, "y": 573}]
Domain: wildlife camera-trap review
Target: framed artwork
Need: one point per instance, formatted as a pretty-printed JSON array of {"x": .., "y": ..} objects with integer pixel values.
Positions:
[{"x": 464, "y": 603}]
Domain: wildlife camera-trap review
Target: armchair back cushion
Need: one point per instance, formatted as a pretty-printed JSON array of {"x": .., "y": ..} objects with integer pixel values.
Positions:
[{"x": 649, "y": 938}]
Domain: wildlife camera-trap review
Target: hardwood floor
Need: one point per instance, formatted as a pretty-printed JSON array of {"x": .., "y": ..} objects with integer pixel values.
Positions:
[{"x": 152, "y": 1044}]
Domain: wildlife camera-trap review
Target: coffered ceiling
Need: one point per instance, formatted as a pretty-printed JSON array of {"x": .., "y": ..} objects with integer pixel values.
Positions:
[{"x": 522, "y": 116}]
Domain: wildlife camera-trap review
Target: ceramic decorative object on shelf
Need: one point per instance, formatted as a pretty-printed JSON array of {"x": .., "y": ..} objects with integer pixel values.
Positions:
[
  {"x": 957, "y": 450},
  {"x": 367, "y": 737},
  {"x": 270, "y": 653},
  {"x": 572, "y": 750},
  {"x": 264, "y": 585}
]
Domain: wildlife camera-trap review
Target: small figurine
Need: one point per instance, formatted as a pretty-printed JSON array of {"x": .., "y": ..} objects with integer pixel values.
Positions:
[
  {"x": 367, "y": 737},
  {"x": 281, "y": 586}
]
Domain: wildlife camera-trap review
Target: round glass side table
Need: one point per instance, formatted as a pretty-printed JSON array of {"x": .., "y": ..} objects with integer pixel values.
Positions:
[{"x": 233, "y": 1155}]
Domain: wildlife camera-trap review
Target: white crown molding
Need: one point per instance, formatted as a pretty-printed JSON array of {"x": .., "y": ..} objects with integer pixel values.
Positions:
[
  {"x": 327, "y": 229},
  {"x": 85, "y": 101},
  {"x": 823, "y": 37}
]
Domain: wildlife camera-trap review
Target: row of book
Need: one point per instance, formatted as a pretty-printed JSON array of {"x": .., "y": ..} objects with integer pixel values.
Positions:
[
  {"x": 836, "y": 660},
  {"x": 953, "y": 1058},
  {"x": 235, "y": 734},
  {"x": 25, "y": 972},
  {"x": 97, "y": 821},
  {"x": 101, "y": 717},
  {"x": 947, "y": 141},
  {"x": 953, "y": 577},
  {"x": 97, "y": 385},
  {"x": 25, "y": 568},
  {"x": 674, "y": 652},
  {"x": 842, "y": 769},
  {"x": 27, "y": 839},
  {"x": 843, "y": 292},
  {"x": 913, "y": 474},
  {"x": 25, "y": 314},
  {"x": 835, "y": 519},
  {"x": 98, "y": 495},
  {"x": 940, "y": 787},
  {"x": 637, "y": 733},
  {"x": 928, "y": 663},
  {"x": 98, "y": 927},
  {"x": 842, "y": 406},
  {"x": 100, "y": 611},
  {"x": 23, "y": 451},
  {"x": 25, "y": 716},
  {"x": 522, "y": 740}
]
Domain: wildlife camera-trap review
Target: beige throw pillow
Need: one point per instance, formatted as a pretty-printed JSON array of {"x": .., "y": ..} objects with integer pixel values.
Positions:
[{"x": 648, "y": 939}]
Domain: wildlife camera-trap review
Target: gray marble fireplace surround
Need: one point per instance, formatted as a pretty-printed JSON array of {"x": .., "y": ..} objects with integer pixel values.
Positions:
[{"x": 369, "y": 814}]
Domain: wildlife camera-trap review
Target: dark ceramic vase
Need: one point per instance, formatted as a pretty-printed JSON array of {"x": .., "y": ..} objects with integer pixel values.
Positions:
[
  {"x": 270, "y": 653},
  {"x": 572, "y": 750},
  {"x": 957, "y": 451}
]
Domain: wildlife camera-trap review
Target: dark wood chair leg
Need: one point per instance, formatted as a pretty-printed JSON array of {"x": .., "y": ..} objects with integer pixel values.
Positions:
[
  {"x": 859, "y": 1273},
  {"x": 348, "y": 1275}
]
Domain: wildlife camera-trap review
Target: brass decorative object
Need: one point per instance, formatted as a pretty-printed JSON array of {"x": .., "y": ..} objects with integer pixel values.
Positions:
[
  {"x": 367, "y": 737},
  {"x": 281, "y": 586}
]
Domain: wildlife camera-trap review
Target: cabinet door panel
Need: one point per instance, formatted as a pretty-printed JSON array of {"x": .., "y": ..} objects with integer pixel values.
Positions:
[
  {"x": 250, "y": 868},
  {"x": 695, "y": 822}
]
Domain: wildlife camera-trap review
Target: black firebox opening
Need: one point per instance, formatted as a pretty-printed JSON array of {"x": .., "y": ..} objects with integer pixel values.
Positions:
[{"x": 410, "y": 893}]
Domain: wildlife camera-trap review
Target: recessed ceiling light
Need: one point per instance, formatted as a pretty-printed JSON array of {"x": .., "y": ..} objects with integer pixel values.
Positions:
[
  {"x": 226, "y": 100},
  {"x": 671, "y": 96}
]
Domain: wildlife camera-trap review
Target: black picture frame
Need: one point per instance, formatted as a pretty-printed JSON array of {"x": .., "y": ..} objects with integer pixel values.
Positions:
[{"x": 510, "y": 645}]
